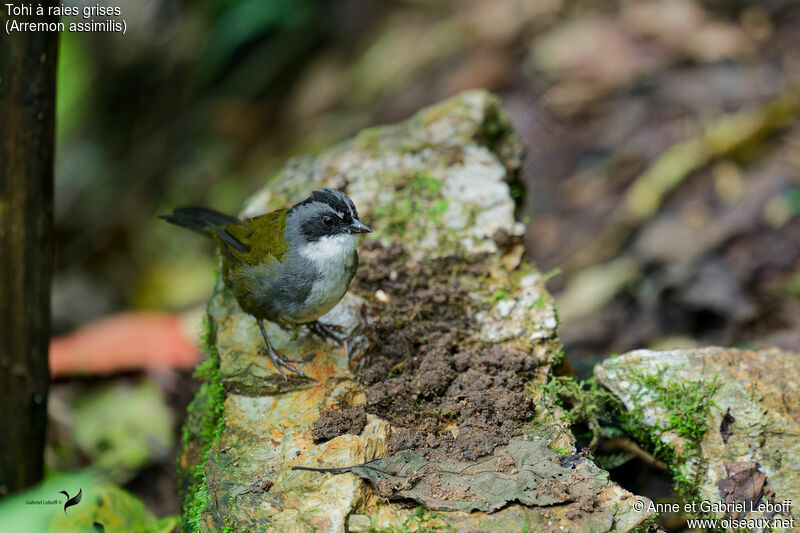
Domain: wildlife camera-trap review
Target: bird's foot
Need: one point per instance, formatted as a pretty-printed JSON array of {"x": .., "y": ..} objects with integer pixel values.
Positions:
[
  {"x": 282, "y": 362},
  {"x": 333, "y": 332},
  {"x": 330, "y": 331}
]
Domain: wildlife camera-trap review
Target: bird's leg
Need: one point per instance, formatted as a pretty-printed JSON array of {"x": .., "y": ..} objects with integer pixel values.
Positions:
[
  {"x": 277, "y": 359},
  {"x": 333, "y": 332}
]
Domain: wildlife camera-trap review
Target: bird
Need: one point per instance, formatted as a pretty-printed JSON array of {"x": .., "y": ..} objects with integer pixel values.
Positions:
[{"x": 289, "y": 266}]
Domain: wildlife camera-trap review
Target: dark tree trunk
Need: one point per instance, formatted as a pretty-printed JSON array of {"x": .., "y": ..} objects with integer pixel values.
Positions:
[{"x": 27, "y": 119}]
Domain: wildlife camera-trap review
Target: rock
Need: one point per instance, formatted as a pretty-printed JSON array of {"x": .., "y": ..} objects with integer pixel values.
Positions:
[
  {"x": 726, "y": 421},
  {"x": 453, "y": 336}
]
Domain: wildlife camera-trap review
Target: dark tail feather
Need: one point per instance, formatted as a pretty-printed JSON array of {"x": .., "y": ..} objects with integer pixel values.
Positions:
[{"x": 199, "y": 218}]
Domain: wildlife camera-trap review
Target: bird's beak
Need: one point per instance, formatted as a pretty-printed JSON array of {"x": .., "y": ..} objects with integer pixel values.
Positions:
[{"x": 358, "y": 227}]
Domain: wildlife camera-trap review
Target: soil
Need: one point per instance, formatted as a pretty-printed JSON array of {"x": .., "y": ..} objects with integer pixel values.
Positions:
[
  {"x": 335, "y": 422},
  {"x": 444, "y": 393}
]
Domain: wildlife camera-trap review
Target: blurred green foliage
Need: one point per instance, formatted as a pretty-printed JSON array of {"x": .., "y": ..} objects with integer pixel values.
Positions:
[
  {"x": 240, "y": 22},
  {"x": 74, "y": 80},
  {"x": 113, "y": 508},
  {"x": 116, "y": 509},
  {"x": 122, "y": 429},
  {"x": 17, "y": 515}
]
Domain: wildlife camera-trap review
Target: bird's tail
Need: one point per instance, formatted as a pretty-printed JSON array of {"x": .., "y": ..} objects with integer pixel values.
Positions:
[{"x": 199, "y": 219}]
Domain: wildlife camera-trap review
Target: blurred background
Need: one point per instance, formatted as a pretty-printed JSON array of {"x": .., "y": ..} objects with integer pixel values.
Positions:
[{"x": 662, "y": 174}]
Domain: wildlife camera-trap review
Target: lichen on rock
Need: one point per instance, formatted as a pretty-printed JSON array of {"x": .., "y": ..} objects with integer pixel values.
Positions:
[{"x": 443, "y": 304}]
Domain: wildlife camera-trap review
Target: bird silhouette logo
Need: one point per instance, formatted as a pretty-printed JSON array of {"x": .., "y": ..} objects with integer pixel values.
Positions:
[{"x": 75, "y": 500}]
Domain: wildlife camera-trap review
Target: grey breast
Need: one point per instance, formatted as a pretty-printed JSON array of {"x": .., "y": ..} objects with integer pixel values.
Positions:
[{"x": 330, "y": 284}]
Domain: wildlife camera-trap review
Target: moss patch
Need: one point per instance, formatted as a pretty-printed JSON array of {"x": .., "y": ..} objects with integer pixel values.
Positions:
[
  {"x": 687, "y": 409},
  {"x": 649, "y": 525},
  {"x": 412, "y": 208},
  {"x": 586, "y": 403},
  {"x": 201, "y": 431}
]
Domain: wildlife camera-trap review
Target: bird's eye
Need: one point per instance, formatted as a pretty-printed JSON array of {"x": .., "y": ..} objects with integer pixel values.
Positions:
[{"x": 328, "y": 221}]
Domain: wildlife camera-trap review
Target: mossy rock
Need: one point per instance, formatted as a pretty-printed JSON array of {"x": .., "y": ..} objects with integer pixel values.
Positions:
[
  {"x": 439, "y": 190},
  {"x": 718, "y": 417}
]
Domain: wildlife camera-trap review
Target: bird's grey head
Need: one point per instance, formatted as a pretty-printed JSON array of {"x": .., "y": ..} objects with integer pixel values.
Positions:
[{"x": 328, "y": 214}]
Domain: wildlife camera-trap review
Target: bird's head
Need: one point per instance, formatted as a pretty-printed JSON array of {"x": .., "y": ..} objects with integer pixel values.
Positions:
[{"x": 327, "y": 216}]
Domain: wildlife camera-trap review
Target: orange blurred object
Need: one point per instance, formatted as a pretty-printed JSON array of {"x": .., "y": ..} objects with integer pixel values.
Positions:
[{"x": 125, "y": 342}]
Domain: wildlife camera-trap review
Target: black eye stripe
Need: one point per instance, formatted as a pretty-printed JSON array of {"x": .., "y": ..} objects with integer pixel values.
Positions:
[{"x": 323, "y": 202}]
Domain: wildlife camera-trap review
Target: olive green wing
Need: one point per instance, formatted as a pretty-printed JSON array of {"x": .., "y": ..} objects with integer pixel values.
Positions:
[{"x": 255, "y": 240}]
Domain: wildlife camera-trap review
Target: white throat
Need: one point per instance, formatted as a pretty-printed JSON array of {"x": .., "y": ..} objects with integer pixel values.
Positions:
[{"x": 330, "y": 250}]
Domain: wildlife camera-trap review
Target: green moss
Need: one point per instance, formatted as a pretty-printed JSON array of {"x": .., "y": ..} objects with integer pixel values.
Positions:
[
  {"x": 207, "y": 408},
  {"x": 397, "y": 369},
  {"x": 586, "y": 402},
  {"x": 540, "y": 303},
  {"x": 648, "y": 525},
  {"x": 688, "y": 405},
  {"x": 556, "y": 355},
  {"x": 551, "y": 274},
  {"x": 413, "y": 207},
  {"x": 687, "y": 408},
  {"x": 370, "y": 139},
  {"x": 229, "y": 527},
  {"x": 499, "y": 294},
  {"x": 543, "y": 425},
  {"x": 562, "y": 451},
  {"x": 448, "y": 415},
  {"x": 495, "y": 126},
  {"x": 440, "y": 206}
]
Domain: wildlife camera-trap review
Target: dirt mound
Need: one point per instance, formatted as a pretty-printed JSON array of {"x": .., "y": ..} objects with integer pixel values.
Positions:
[
  {"x": 444, "y": 393},
  {"x": 335, "y": 422}
]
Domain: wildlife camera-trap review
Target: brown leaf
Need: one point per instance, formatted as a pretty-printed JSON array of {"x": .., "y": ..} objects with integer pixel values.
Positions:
[
  {"x": 522, "y": 471},
  {"x": 744, "y": 483}
]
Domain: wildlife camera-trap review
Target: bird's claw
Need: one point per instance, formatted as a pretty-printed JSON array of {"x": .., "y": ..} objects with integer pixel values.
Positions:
[
  {"x": 282, "y": 362},
  {"x": 332, "y": 331}
]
